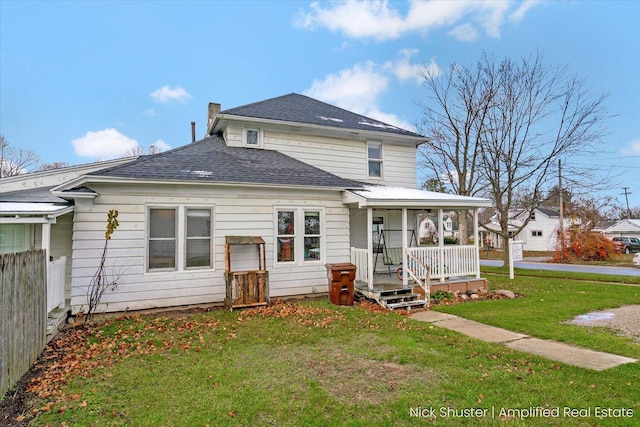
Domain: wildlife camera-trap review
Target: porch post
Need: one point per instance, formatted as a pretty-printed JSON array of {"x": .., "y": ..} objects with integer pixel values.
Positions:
[
  {"x": 441, "y": 245},
  {"x": 46, "y": 239},
  {"x": 405, "y": 245},
  {"x": 370, "y": 248},
  {"x": 476, "y": 241}
]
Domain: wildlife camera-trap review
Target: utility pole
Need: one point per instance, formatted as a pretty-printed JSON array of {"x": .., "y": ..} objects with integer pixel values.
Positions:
[
  {"x": 626, "y": 196},
  {"x": 561, "y": 229}
]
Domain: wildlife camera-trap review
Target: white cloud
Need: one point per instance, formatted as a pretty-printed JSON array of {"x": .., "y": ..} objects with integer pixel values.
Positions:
[
  {"x": 161, "y": 146},
  {"x": 165, "y": 94},
  {"x": 357, "y": 89},
  {"x": 380, "y": 20},
  {"x": 150, "y": 112},
  {"x": 633, "y": 148},
  {"x": 517, "y": 15},
  {"x": 465, "y": 33},
  {"x": 103, "y": 144},
  {"x": 354, "y": 89},
  {"x": 403, "y": 69}
]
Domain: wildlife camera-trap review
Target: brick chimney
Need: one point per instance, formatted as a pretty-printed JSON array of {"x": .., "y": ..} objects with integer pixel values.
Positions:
[{"x": 214, "y": 109}]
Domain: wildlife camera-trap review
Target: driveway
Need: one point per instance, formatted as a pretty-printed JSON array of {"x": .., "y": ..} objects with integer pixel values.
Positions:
[{"x": 537, "y": 265}]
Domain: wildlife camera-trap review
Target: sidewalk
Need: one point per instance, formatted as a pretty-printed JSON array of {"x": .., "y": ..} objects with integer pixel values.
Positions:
[{"x": 553, "y": 350}]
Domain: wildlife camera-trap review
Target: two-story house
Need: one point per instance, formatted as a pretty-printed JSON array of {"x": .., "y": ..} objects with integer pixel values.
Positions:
[
  {"x": 311, "y": 180},
  {"x": 540, "y": 234}
]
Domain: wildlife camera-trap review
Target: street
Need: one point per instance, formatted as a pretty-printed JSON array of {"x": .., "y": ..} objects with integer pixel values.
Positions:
[{"x": 600, "y": 269}]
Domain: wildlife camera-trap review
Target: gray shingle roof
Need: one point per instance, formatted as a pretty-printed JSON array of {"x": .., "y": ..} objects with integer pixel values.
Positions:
[
  {"x": 37, "y": 195},
  {"x": 211, "y": 160},
  {"x": 303, "y": 109}
]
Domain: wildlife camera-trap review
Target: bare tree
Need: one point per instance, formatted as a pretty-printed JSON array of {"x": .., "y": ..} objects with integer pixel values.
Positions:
[
  {"x": 15, "y": 161},
  {"x": 455, "y": 119},
  {"x": 540, "y": 117},
  {"x": 53, "y": 166},
  {"x": 500, "y": 129},
  {"x": 141, "y": 151}
]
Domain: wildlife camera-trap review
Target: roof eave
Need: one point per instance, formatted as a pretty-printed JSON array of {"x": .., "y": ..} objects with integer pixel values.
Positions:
[
  {"x": 219, "y": 124},
  {"x": 151, "y": 181}
]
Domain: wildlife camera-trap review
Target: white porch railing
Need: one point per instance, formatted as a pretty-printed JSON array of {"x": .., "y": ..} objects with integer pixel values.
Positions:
[
  {"x": 56, "y": 273},
  {"x": 452, "y": 261},
  {"x": 360, "y": 257},
  {"x": 415, "y": 270}
]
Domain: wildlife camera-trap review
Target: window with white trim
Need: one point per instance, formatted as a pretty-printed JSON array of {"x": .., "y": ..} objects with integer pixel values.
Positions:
[
  {"x": 179, "y": 238},
  {"x": 536, "y": 233},
  {"x": 198, "y": 238},
  {"x": 299, "y": 235},
  {"x": 162, "y": 246},
  {"x": 252, "y": 137},
  {"x": 286, "y": 239},
  {"x": 374, "y": 159}
]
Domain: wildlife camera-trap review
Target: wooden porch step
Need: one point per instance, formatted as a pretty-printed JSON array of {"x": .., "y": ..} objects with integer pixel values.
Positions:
[
  {"x": 394, "y": 292},
  {"x": 407, "y": 304},
  {"x": 396, "y": 298}
]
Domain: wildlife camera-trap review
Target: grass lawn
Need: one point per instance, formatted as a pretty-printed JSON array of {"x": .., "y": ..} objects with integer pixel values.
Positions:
[
  {"x": 619, "y": 260},
  {"x": 314, "y": 364}
]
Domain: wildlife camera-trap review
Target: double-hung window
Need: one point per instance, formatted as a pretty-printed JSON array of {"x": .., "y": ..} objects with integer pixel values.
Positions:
[
  {"x": 179, "y": 238},
  {"x": 374, "y": 159},
  {"x": 286, "y": 239},
  {"x": 163, "y": 225},
  {"x": 198, "y": 240},
  {"x": 300, "y": 234}
]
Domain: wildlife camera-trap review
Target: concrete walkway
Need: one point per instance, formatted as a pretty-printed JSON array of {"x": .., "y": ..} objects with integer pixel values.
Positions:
[{"x": 553, "y": 350}]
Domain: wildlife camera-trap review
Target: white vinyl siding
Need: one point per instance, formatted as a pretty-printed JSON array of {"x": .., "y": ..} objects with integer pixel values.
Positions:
[
  {"x": 242, "y": 211},
  {"x": 346, "y": 158}
]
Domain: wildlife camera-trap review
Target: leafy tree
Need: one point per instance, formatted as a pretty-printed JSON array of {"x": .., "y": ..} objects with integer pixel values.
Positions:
[{"x": 434, "y": 184}]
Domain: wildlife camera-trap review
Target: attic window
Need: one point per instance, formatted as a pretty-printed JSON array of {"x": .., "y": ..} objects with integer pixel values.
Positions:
[{"x": 252, "y": 138}]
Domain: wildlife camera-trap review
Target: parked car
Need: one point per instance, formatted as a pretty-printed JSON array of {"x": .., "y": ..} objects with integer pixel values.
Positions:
[
  {"x": 627, "y": 244},
  {"x": 636, "y": 260}
]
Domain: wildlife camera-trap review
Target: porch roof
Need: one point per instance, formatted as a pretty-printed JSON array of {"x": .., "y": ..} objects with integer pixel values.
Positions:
[
  {"x": 36, "y": 210},
  {"x": 379, "y": 196}
]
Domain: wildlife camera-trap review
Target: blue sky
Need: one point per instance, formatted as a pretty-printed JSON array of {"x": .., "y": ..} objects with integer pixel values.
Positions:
[{"x": 82, "y": 81}]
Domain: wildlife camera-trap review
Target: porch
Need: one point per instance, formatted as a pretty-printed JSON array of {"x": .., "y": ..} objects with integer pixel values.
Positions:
[{"x": 405, "y": 246}]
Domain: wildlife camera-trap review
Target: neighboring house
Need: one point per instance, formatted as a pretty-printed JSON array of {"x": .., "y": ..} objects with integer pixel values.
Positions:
[
  {"x": 540, "y": 234},
  {"x": 428, "y": 229},
  {"x": 312, "y": 180},
  {"x": 620, "y": 228}
]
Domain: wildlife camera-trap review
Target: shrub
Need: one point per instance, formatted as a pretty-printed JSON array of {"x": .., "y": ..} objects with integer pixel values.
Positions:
[{"x": 584, "y": 245}]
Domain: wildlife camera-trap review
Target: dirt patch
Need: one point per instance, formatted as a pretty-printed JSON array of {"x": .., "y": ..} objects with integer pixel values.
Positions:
[{"x": 625, "y": 320}]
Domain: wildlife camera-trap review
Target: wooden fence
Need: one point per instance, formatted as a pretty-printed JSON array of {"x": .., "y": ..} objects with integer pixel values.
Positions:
[{"x": 23, "y": 313}]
